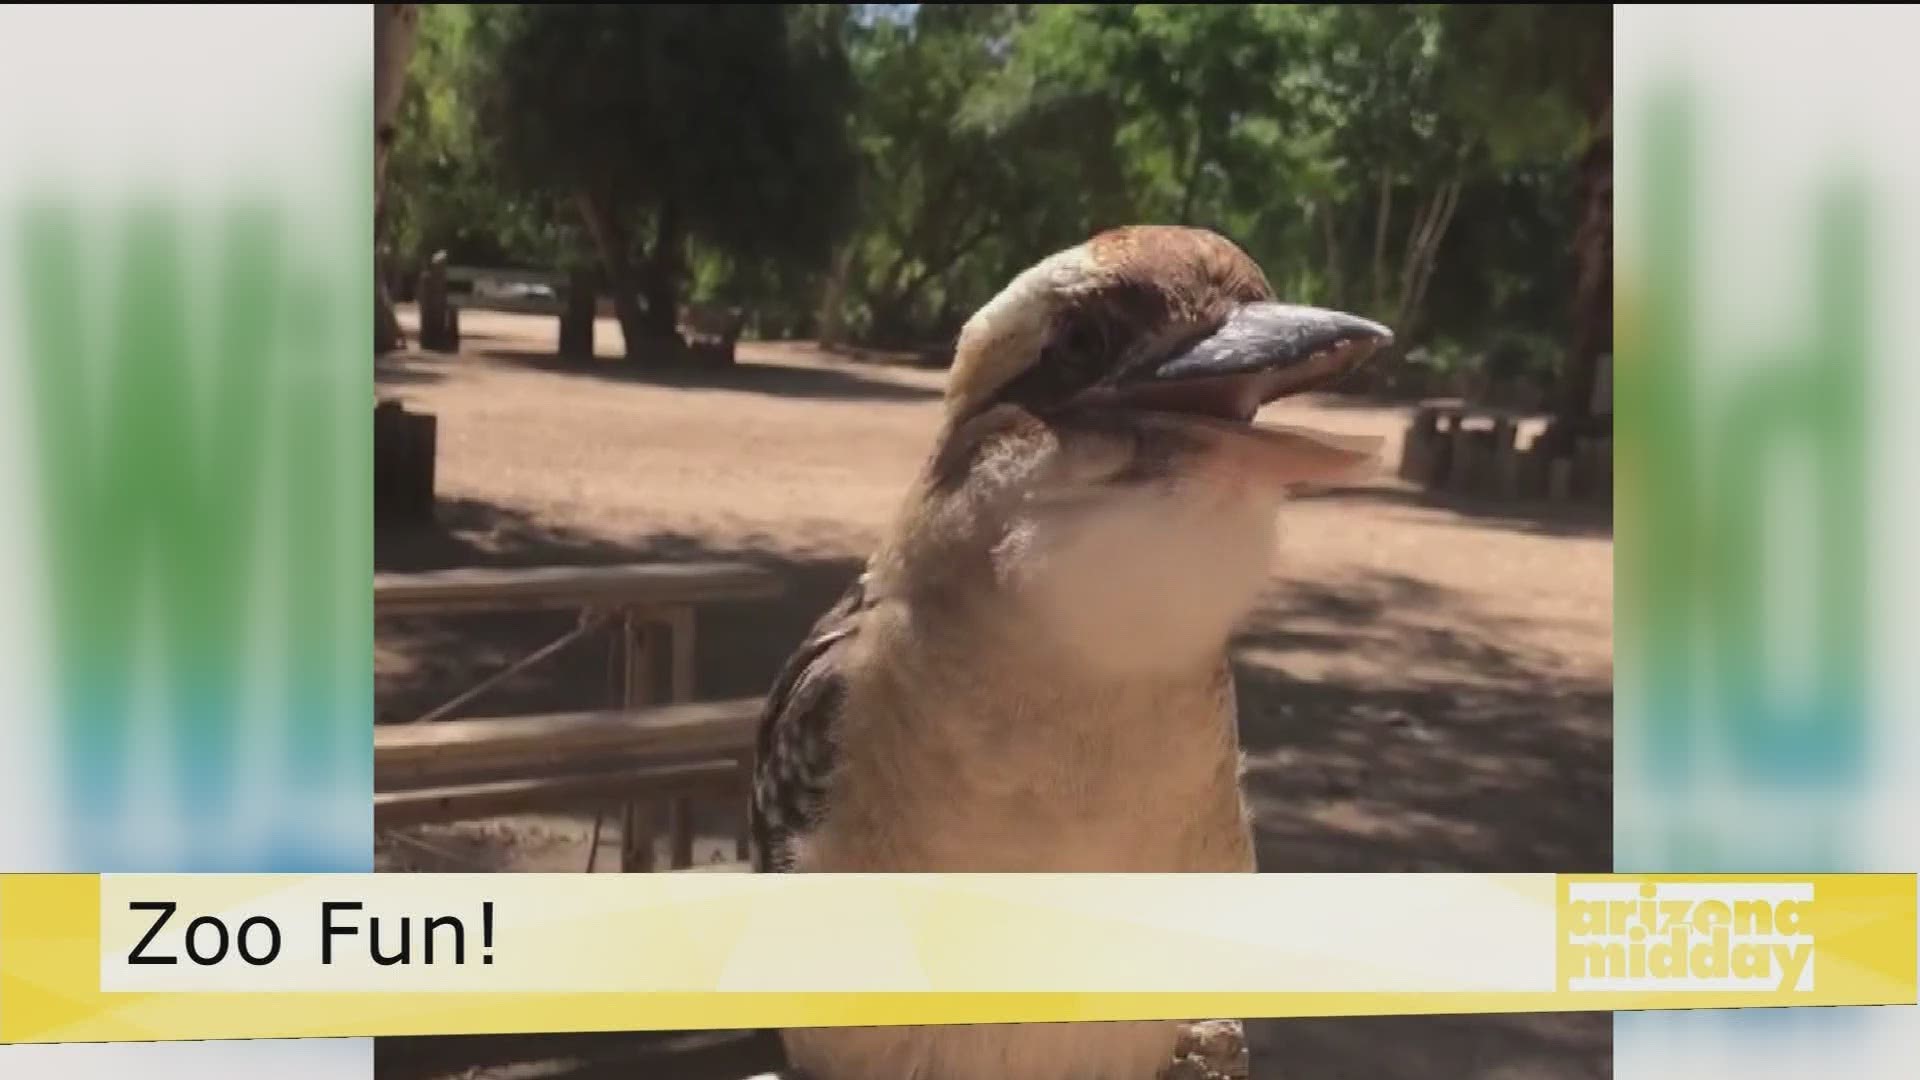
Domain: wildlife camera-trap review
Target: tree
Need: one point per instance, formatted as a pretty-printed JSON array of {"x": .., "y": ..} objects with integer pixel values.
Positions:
[
  {"x": 667, "y": 124},
  {"x": 1393, "y": 154},
  {"x": 1309, "y": 133},
  {"x": 1538, "y": 80},
  {"x": 1430, "y": 165},
  {"x": 443, "y": 192},
  {"x": 394, "y": 26},
  {"x": 966, "y": 173}
]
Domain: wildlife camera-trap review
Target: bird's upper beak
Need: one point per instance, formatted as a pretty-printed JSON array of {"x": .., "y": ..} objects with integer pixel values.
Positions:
[{"x": 1262, "y": 352}]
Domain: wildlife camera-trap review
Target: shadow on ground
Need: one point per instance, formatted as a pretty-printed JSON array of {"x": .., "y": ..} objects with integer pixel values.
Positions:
[
  {"x": 412, "y": 365},
  {"x": 1501, "y": 764},
  {"x": 1539, "y": 517},
  {"x": 844, "y": 383},
  {"x": 1477, "y": 753},
  {"x": 407, "y": 368},
  {"x": 724, "y": 1055},
  {"x": 1529, "y": 1046}
]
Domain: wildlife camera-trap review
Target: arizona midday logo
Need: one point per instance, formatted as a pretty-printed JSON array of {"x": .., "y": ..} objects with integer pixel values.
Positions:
[{"x": 1688, "y": 936}]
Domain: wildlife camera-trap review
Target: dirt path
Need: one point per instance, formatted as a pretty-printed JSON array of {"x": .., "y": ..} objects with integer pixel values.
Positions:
[{"x": 1426, "y": 686}]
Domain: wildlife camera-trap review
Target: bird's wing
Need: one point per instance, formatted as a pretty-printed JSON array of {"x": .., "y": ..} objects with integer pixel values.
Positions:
[{"x": 794, "y": 754}]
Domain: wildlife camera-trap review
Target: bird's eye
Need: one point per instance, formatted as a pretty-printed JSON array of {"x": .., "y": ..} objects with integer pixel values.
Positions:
[
  {"x": 1072, "y": 361},
  {"x": 1081, "y": 346}
]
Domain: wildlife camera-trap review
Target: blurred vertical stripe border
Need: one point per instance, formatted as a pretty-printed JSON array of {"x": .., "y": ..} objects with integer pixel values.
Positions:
[
  {"x": 1766, "y": 233},
  {"x": 185, "y": 311},
  {"x": 185, "y": 375}
]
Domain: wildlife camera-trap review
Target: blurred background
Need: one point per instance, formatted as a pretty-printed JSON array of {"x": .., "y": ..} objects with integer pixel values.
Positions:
[
  {"x": 781, "y": 215},
  {"x": 867, "y": 175}
]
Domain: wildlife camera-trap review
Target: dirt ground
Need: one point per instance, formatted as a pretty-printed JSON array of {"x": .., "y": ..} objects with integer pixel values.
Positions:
[{"x": 1426, "y": 686}]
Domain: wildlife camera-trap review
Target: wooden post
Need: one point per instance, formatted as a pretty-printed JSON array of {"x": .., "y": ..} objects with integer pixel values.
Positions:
[
  {"x": 679, "y": 832},
  {"x": 439, "y": 320},
  {"x": 1560, "y": 479},
  {"x": 1417, "y": 448},
  {"x": 637, "y": 826},
  {"x": 636, "y": 838},
  {"x": 742, "y": 840},
  {"x": 1465, "y": 459},
  {"x": 680, "y": 688},
  {"x": 404, "y": 446},
  {"x": 1594, "y": 460},
  {"x": 1533, "y": 472},
  {"x": 576, "y": 318},
  {"x": 1438, "y": 462},
  {"x": 1506, "y": 458},
  {"x": 1603, "y": 468},
  {"x": 680, "y": 677}
]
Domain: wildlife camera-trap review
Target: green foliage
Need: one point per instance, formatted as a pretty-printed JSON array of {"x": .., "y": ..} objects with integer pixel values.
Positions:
[
  {"x": 736, "y": 113},
  {"x": 877, "y": 171},
  {"x": 1529, "y": 78},
  {"x": 443, "y": 191},
  {"x": 965, "y": 171}
]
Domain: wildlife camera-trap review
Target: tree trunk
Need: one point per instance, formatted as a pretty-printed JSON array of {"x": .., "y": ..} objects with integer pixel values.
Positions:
[
  {"x": 1593, "y": 289},
  {"x": 893, "y": 303},
  {"x": 833, "y": 298},
  {"x": 394, "y": 26},
  {"x": 1430, "y": 251},
  {"x": 609, "y": 236},
  {"x": 1332, "y": 237},
  {"x": 1423, "y": 249},
  {"x": 1191, "y": 187},
  {"x": 387, "y": 335},
  {"x": 1380, "y": 226},
  {"x": 439, "y": 320},
  {"x": 666, "y": 265},
  {"x": 577, "y": 319}
]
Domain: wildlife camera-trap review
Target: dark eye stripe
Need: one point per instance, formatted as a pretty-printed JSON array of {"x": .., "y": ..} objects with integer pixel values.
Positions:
[
  {"x": 1061, "y": 372},
  {"x": 1091, "y": 341}
]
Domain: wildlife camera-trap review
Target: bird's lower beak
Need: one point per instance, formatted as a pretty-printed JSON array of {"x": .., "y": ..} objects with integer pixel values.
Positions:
[{"x": 1263, "y": 352}]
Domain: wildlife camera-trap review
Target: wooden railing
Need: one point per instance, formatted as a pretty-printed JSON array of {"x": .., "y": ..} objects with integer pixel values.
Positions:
[{"x": 655, "y": 751}]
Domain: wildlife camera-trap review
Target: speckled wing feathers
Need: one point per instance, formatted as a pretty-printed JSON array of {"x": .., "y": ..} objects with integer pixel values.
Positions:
[{"x": 795, "y": 754}]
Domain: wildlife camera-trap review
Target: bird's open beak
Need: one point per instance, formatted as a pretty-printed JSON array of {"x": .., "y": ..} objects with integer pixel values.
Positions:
[{"x": 1263, "y": 352}]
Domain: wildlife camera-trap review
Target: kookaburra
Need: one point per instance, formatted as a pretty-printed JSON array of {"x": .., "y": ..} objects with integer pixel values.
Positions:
[{"x": 1031, "y": 674}]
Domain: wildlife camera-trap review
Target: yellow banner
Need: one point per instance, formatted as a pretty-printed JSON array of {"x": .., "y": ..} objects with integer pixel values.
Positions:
[{"x": 87, "y": 958}]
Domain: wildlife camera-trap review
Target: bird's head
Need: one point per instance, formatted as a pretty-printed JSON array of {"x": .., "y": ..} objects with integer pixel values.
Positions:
[{"x": 1099, "y": 463}]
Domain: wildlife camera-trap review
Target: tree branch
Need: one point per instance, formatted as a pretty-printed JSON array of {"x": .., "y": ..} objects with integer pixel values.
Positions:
[
  {"x": 928, "y": 271},
  {"x": 1380, "y": 240},
  {"x": 1330, "y": 234}
]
